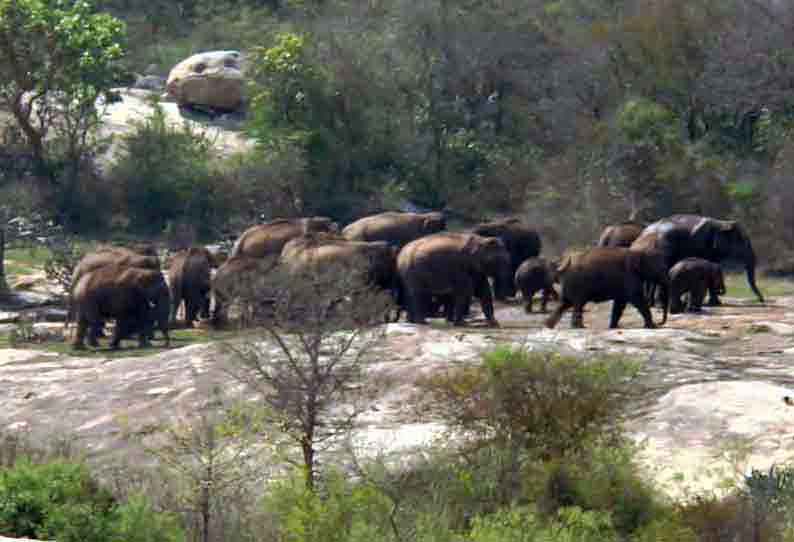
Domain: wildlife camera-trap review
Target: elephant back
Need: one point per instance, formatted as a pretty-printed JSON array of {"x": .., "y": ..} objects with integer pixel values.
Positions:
[
  {"x": 395, "y": 228},
  {"x": 269, "y": 239}
]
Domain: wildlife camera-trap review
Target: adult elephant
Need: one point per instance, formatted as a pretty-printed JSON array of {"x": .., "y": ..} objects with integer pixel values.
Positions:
[
  {"x": 134, "y": 297},
  {"x": 106, "y": 255},
  {"x": 238, "y": 280},
  {"x": 189, "y": 280},
  {"x": 521, "y": 242},
  {"x": 397, "y": 229},
  {"x": 609, "y": 273},
  {"x": 268, "y": 239},
  {"x": 620, "y": 235},
  {"x": 686, "y": 236},
  {"x": 453, "y": 267},
  {"x": 375, "y": 261}
]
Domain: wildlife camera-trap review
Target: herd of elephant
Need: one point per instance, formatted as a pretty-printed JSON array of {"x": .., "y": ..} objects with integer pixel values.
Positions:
[{"x": 421, "y": 264}]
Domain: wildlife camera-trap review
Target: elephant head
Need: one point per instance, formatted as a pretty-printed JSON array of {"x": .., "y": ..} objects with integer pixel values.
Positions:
[
  {"x": 433, "y": 222},
  {"x": 319, "y": 224},
  {"x": 726, "y": 240},
  {"x": 492, "y": 259}
]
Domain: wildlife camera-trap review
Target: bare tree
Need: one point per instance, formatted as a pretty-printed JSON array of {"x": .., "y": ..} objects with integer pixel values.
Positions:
[
  {"x": 214, "y": 454},
  {"x": 306, "y": 357}
]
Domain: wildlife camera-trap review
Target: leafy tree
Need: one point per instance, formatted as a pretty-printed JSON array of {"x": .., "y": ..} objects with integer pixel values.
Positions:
[{"x": 57, "y": 58}]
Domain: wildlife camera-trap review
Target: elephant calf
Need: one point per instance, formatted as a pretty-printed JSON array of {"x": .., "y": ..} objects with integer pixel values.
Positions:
[
  {"x": 536, "y": 275},
  {"x": 694, "y": 275}
]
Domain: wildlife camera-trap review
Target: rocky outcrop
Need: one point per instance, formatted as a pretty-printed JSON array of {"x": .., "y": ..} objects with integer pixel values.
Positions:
[{"x": 213, "y": 79}]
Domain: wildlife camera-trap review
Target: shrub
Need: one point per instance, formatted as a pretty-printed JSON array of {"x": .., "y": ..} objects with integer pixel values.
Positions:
[
  {"x": 163, "y": 174},
  {"x": 53, "y": 500},
  {"x": 541, "y": 402},
  {"x": 523, "y": 525},
  {"x": 137, "y": 521}
]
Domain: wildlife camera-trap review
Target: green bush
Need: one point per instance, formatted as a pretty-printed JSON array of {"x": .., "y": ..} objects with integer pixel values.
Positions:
[
  {"x": 541, "y": 402},
  {"x": 604, "y": 478},
  {"x": 137, "y": 521},
  {"x": 337, "y": 512},
  {"x": 52, "y": 500},
  {"x": 164, "y": 174},
  {"x": 59, "y": 500},
  {"x": 523, "y": 525}
]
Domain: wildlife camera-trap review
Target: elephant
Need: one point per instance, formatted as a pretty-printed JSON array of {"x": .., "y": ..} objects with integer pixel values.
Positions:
[
  {"x": 134, "y": 297},
  {"x": 376, "y": 259},
  {"x": 620, "y": 235},
  {"x": 267, "y": 240},
  {"x": 237, "y": 280},
  {"x": 684, "y": 236},
  {"x": 451, "y": 264},
  {"x": 189, "y": 281},
  {"x": 395, "y": 228},
  {"x": 609, "y": 273},
  {"x": 536, "y": 275},
  {"x": 110, "y": 255},
  {"x": 694, "y": 275},
  {"x": 521, "y": 241}
]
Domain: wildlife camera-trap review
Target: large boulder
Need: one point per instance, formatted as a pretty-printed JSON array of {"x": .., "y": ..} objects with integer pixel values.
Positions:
[{"x": 213, "y": 79}]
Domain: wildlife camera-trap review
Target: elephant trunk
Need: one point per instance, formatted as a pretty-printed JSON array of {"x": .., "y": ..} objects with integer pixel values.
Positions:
[{"x": 749, "y": 265}]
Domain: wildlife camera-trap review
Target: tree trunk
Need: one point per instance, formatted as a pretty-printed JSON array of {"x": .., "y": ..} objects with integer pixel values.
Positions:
[{"x": 3, "y": 283}]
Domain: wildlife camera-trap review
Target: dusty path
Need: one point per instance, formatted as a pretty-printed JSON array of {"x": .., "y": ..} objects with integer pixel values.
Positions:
[{"x": 709, "y": 401}]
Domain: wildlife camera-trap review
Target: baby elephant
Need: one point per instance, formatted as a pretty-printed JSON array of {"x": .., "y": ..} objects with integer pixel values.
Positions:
[
  {"x": 536, "y": 275},
  {"x": 694, "y": 275}
]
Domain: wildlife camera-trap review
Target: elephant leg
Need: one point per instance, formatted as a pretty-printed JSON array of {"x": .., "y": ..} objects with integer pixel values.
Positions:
[
  {"x": 641, "y": 305},
  {"x": 577, "y": 316},
  {"x": 714, "y": 300},
  {"x": 82, "y": 327},
  {"x": 191, "y": 309},
  {"x": 460, "y": 305},
  {"x": 414, "y": 307},
  {"x": 676, "y": 306},
  {"x": 482, "y": 290},
  {"x": 205, "y": 305},
  {"x": 696, "y": 296},
  {"x": 554, "y": 317},
  {"x": 121, "y": 330},
  {"x": 618, "y": 306},
  {"x": 528, "y": 295}
]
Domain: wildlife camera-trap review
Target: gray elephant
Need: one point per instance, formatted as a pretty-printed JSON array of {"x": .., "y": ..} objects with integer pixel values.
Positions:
[
  {"x": 455, "y": 267},
  {"x": 143, "y": 257},
  {"x": 695, "y": 276},
  {"x": 536, "y": 275},
  {"x": 267, "y": 240},
  {"x": 237, "y": 280},
  {"x": 134, "y": 297},
  {"x": 375, "y": 261},
  {"x": 397, "y": 229},
  {"x": 620, "y": 235},
  {"x": 520, "y": 240},
  {"x": 189, "y": 279},
  {"x": 609, "y": 273},
  {"x": 685, "y": 236}
]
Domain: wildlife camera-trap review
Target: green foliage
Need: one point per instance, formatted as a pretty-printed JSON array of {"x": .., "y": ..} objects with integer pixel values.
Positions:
[
  {"x": 53, "y": 500},
  {"x": 542, "y": 402},
  {"x": 62, "y": 53},
  {"x": 164, "y": 174},
  {"x": 523, "y": 525},
  {"x": 137, "y": 521},
  {"x": 60, "y": 500},
  {"x": 645, "y": 122},
  {"x": 339, "y": 512}
]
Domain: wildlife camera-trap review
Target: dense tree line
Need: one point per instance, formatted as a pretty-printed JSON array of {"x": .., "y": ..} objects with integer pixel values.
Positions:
[{"x": 591, "y": 110}]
